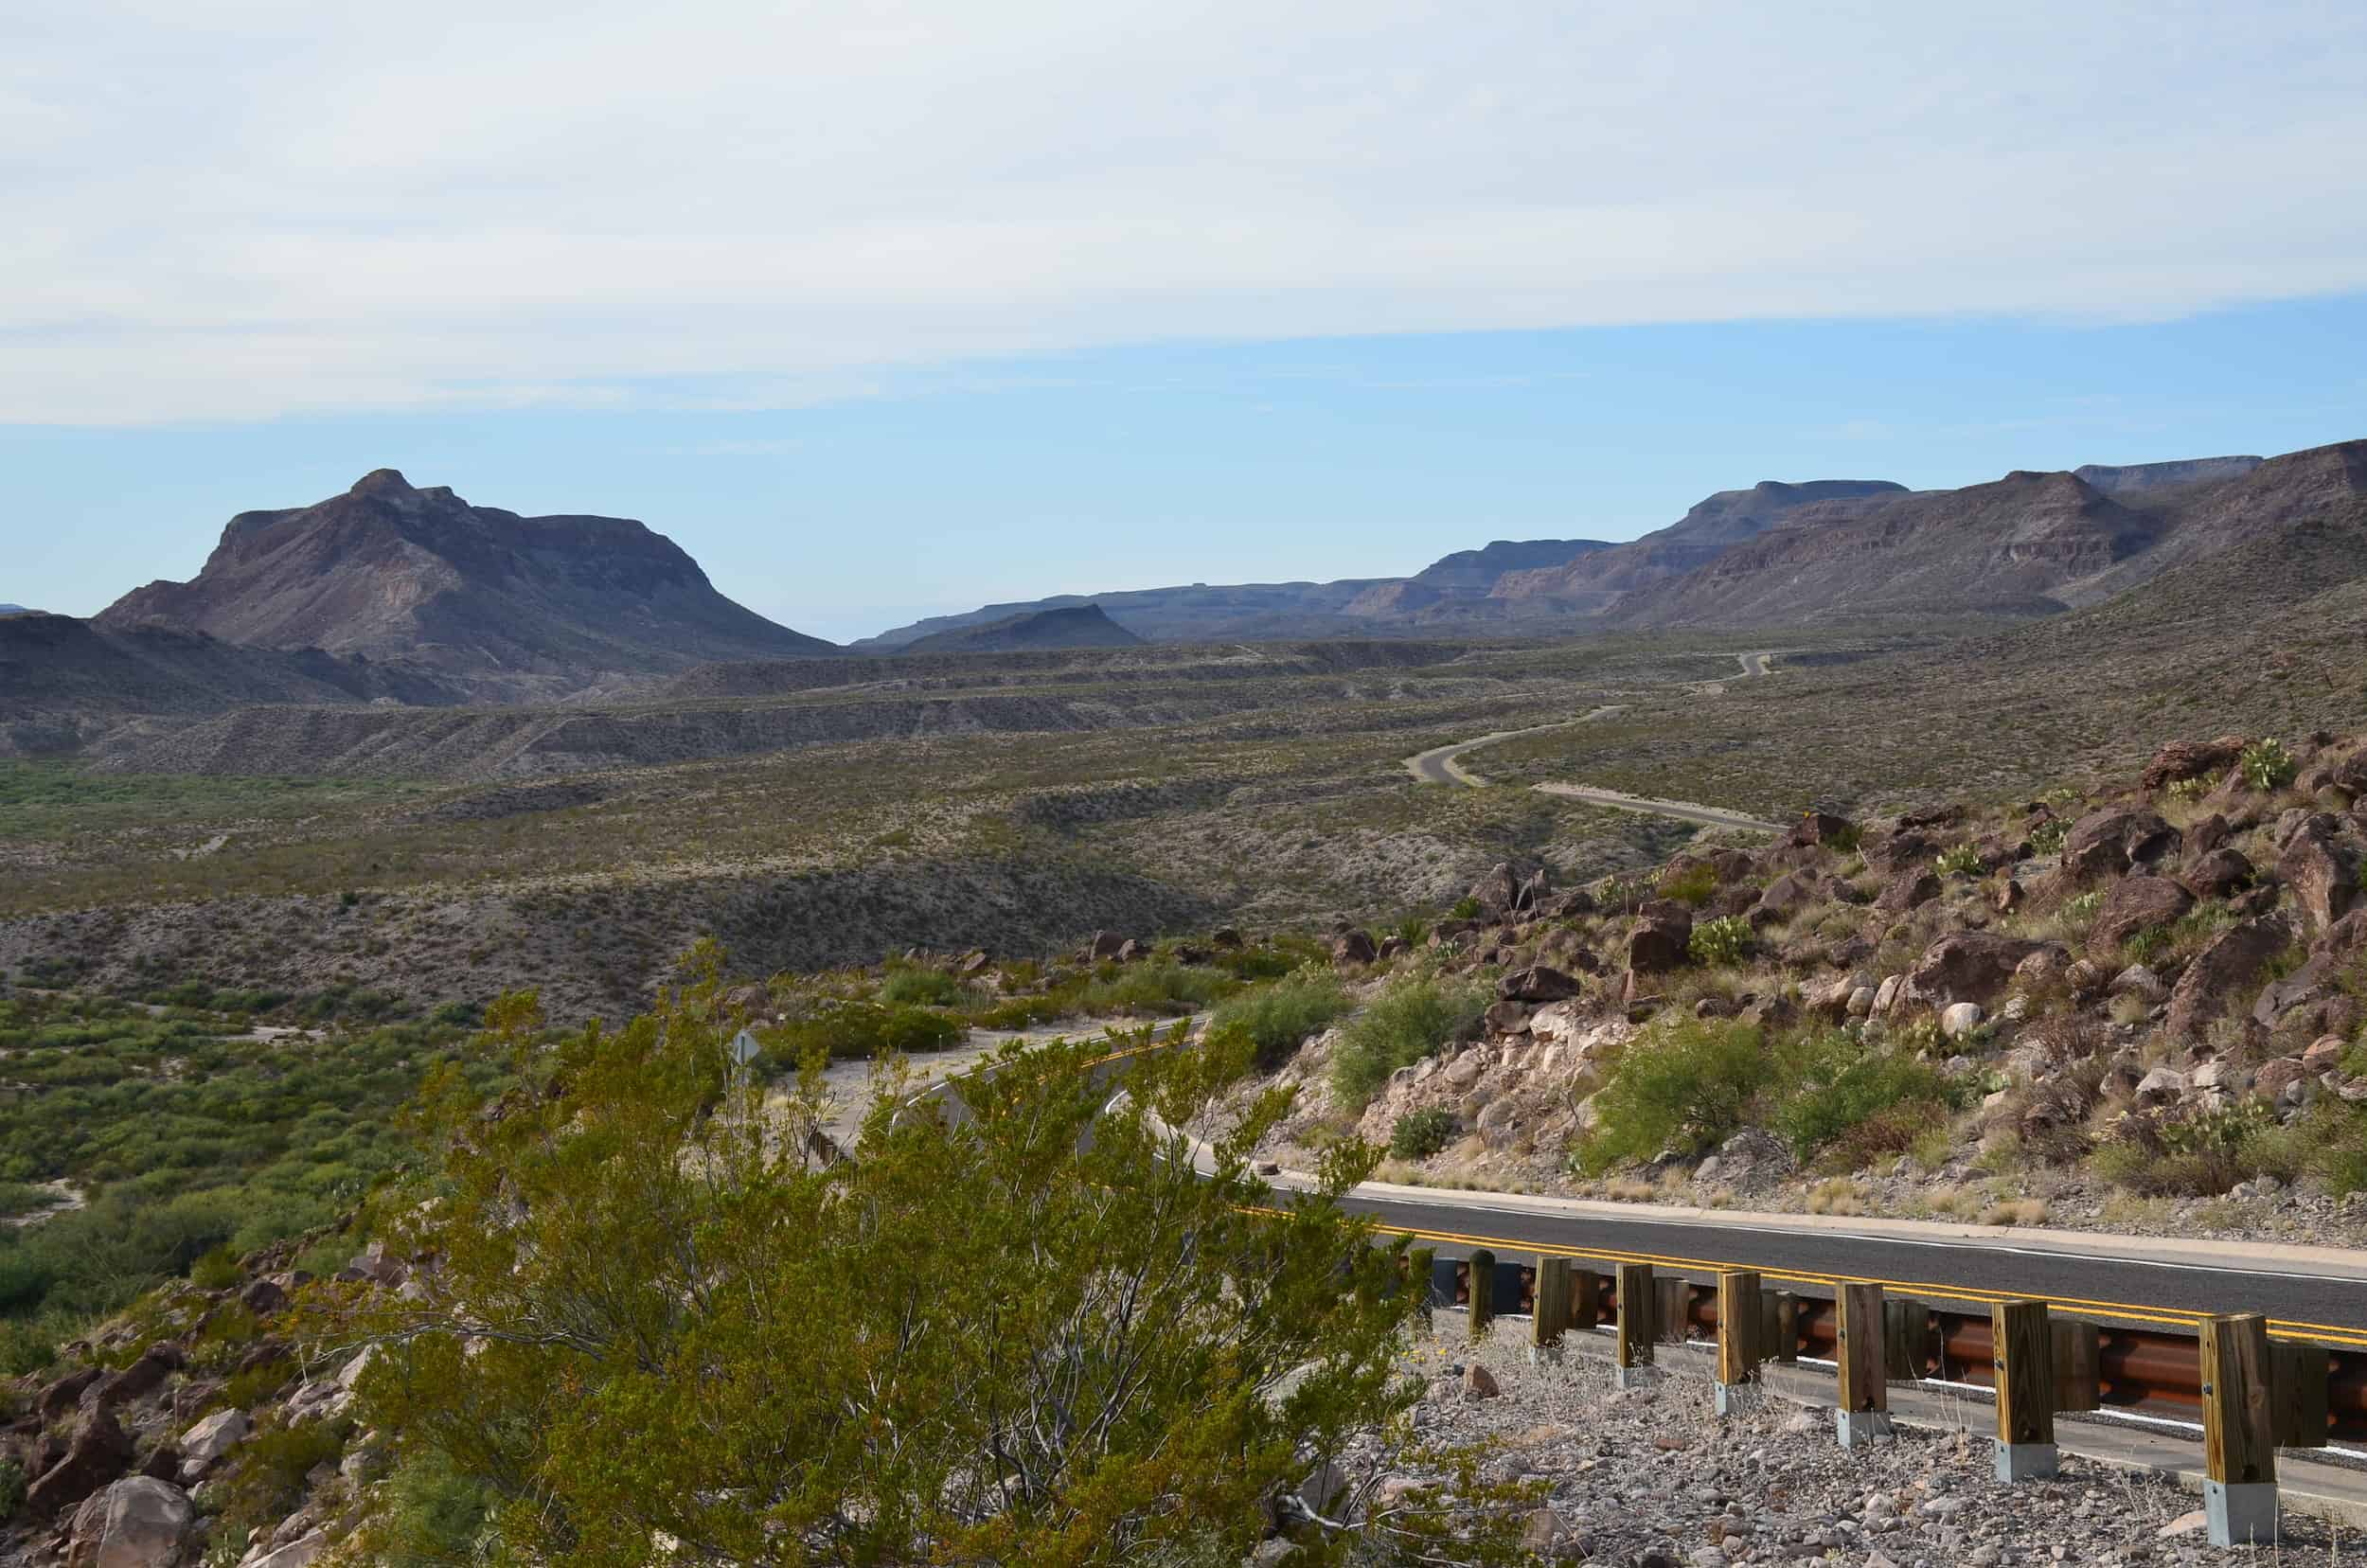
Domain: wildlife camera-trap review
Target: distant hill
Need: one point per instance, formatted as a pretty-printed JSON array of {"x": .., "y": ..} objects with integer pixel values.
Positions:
[
  {"x": 64, "y": 679},
  {"x": 2137, "y": 478},
  {"x": 1480, "y": 569},
  {"x": 513, "y": 608},
  {"x": 16, "y": 609},
  {"x": 1080, "y": 626}
]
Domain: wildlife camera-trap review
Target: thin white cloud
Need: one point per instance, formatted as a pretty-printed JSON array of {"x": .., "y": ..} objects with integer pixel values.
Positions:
[{"x": 228, "y": 209}]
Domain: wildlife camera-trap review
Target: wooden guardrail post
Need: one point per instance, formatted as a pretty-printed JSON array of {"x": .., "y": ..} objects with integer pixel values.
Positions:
[
  {"x": 1482, "y": 1292},
  {"x": 1863, "y": 1413},
  {"x": 2078, "y": 1364},
  {"x": 2299, "y": 1391},
  {"x": 1637, "y": 1300},
  {"x": 1738, "y": 1325},
  {"x": 1550, "y": 1315},
  {"x": 2022, "y": 1354},
  {"x": 2239, "y": 1489}
]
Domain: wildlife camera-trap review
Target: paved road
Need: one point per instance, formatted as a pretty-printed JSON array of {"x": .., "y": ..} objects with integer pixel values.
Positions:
[
  {"x": 1443, "y": 765},
  {"x": 2097, "y": 1283}
]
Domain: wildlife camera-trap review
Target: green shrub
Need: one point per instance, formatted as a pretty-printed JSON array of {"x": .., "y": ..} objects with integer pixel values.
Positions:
[
  {"x": 1278, "y": 1018},
  {"x": 1161, "y": 986},
  {"x": 1695, "y": 884},
  {"x": 859, "y": 1029},
  {"x": 1721, "y": 941},
  {"x": 2335, "y": 1135},
  {"x": 1418, "y": 1134},
  {"x": 2048, "y": 836},
  {"x": 1839, "y": 1086},
  {"x": 1961, "y": 859},
  {"x": 1416, "y": 1013},
  {"x": 2209, "y": 1152},
  {"x": 12, "y": 1487},
  {"x": 216, "y": 1270},
  {"x": 916, "y": 986},
  {"x": 266, "y": 1474},
  {"x": 1682, "y": 1091},
  {"x": 1465, "y": 909},
  {"x": 2266, "y": 765},
  {"x": 432, "y": 1514},
  {"x": 2189, "y": 790}
]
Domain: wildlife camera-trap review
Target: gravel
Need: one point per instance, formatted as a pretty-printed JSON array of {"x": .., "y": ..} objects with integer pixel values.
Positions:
[{"x": 1651, "y": 1477}]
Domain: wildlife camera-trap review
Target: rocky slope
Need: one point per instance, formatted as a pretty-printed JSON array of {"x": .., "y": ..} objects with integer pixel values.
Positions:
[
  {"x": 2116, "y": 1005},
  {"x": 1084, "y": 626},
  {"x": 514, "y": 607}
]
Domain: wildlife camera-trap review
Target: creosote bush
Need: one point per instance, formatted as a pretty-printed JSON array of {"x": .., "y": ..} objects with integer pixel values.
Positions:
[
  {"x": 1681, "y": 1089},
  {"x": 1418, "y": 1134},
  {"x": 1278, "y": 1019},
  {"x": 990, "y": 1340},
  {"x": 1416, "y": 1014}
]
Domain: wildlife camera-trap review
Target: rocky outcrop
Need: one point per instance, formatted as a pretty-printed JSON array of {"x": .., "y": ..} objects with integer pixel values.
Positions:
[
  {"x": 99, "y": 1451},
  {"x": 2108, "y": 843},
  {"x": 138, "y": 1523},
  {"x": 1967, "y": 966},
  {"x": 2222, "y": 973},
  {"x": 2320, "y": 863},
  {"x": 2139, "y": 903},
  {"x": 2183, "y": 759}
]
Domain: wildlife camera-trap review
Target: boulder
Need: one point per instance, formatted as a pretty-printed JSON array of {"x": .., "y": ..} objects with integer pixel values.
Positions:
[
  {"x": 1901, "y": 852},
  {"x": 2221, "y": 970},
  {"x": 65, "y": 1394},
  {"x": 1790, "y": 893},
  {"x": 1967, "y": 966},
  {"x": 2108, "y": 842},
  {"x": 212, "y": 1438},
  {"x": 2161, "y": 1086},
  {"x": 138, "y": 1523},
  {"x": 301, "y": 1553},
  {"x": 1823, "y": 828},
  {"x": 2320, "y": 865},
  {"x": 1354, "y": 947},
  {"x": 2139, "y": 981},
  {"x": 2183, "y": 759},
  {"x": 1537, "y": 985},
  {"x": 1660, "y": 938},
  {"x": 1225, "y": 938},
  {"x": 1910, "y": 889},
  {"x": 1960, "y": 1019},
  {"x": 263, "y": 1297},
  {"x": 1480, "y": 1383},
  {"x": 1105, "y": 944},
  {"x": 2325, "y": 1055},
  {"x": 142, "y": 1378},
  {"x": 1535, "y": 889},
  {"x": 1498, "y": 892},
  {"x": 2278, "y": 1075},
  {"x": 1394, "y": 947},
  {"x": 2009, "y": 896},
  {"x": 97, "y": 1453},
  {"x": 1507, "y": 1018},
  {"x": 2138, "y": 903},
  {"x": 2218, "y": 873}
]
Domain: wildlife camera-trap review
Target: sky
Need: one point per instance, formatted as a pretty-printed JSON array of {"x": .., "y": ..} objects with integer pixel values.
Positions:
[{"x": 885, "y": 310}]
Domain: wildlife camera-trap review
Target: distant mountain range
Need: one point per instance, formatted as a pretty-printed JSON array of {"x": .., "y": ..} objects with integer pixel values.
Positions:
[
  {"x": 393, "y": 594},
  {"x": 17, "y": 609},
  {"x": 2028, "y": 544},
  {"x": 499, "y": 606}
]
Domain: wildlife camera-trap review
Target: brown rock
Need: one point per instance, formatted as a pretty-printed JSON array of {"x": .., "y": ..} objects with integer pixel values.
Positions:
[
  {"x": 2107, "y": 842},
  {"x": 2208, "y": 834},
  {"x": 1499, "y": 892},
  {"x": 1967, "y": 966},
  {"x": 973, "y": 963},
  {"x": 1910, "y": 889},
  {"x": 1354, "y": 947},
  {"x": 262, "y": 1297},
  {"x": 2184, "y": 760},
  {"x": 1537, "y": 985},
  {"x": 1823, "y": 828},
  {"x": 2325, "y": 1055},
  {"x": 2230, "y": 965},
  {"x": 1105, "y": 944},
  {"x": 1901, "y": 852},
  {"x": 143, "y": 1376},
  {"x": 2009, "y": 896},
  {"x": 2278, "y": 1075},
  {"x": 97, "y": 1453},
  {"x": 66, "y": 1391},
  {"x": 1507, "y": 1018},
  {"x": 1659, "y": 944},
  {"x": 2218, "y": 874},
  {"x": 2321, "y": 868},
  {"x": 1480, "y": 1383},
  {"x": 1225, "y": 938},
  {"x": 2138, "y": 903}
]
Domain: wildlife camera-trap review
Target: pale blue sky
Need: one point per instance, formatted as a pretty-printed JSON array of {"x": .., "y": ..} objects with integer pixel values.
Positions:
[{"x": 888, "y": 306}]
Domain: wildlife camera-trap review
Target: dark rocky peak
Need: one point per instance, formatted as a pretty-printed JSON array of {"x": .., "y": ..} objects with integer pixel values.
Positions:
[{"x": 2136, "y": 478}]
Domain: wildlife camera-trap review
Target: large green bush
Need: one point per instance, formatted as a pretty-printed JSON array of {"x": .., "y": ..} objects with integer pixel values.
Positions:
[
  {"x": 1278, "y": 1019},
  {"x": 918, "y": 986},
  {"x": 848, "y": 1030},
  {"x": 1683, "y": 1088},
  {"x": 1418, "y": 1134},
  {"x": 1414, "y": 1014},
  {"x": 1835, "y": 1086}
]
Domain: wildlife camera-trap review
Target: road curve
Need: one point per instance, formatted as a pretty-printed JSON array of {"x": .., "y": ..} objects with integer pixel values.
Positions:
[{"x": 1444, "y": 765}]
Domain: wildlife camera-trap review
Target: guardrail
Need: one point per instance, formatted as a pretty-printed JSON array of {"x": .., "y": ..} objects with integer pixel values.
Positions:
[{"x": 2253, "y": 1392}]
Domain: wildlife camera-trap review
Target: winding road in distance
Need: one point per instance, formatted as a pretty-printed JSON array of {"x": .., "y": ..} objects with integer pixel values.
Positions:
[{"x": 1443, "y": 765}]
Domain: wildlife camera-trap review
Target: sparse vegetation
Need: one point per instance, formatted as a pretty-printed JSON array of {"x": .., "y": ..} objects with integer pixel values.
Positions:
[
  {"x": 1721, "y": 941},
  {"x": 2267, "y": 766},
  {"x": 1414, "y": 1014},
  {"x": 1278, "y": 1019},
  {"x": 1418, "y": 1134},
  {"x": 1680, "y": 1092}
]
